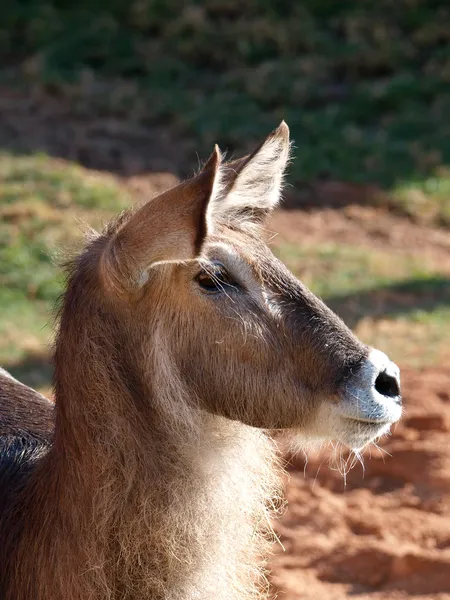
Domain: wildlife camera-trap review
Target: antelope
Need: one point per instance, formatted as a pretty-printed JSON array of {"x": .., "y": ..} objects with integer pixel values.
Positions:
[{"x": 183, "y": 348}]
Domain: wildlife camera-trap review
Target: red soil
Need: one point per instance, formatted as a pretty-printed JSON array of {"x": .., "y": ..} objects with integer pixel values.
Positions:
[{"x": 386, "y": 535}]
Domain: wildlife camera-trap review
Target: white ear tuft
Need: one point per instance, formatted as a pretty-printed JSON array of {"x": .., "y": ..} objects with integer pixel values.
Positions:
[{"x": 251, "y": 187}]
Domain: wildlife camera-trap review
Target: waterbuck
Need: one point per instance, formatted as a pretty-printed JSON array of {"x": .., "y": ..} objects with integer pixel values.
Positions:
[{"x": 183, "y": 346}]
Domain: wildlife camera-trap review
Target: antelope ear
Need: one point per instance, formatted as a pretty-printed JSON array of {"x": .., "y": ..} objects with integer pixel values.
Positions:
[
  {"x": 171, "y": 226},
  {"x": 251, "y": 187}
]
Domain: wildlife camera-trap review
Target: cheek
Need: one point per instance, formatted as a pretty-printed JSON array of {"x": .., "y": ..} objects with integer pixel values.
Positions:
[
  {"x": 234, "y": 340},
  {"x": 218, "y": 338},
  {"x": 227, "y": 360}
]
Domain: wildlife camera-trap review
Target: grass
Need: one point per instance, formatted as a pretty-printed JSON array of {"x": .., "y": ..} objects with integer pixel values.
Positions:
[
  {"x": 41, "y": 204},
  {"x": 399, "y": 303},
  {"x": 364, "y": 86},
  {"x": 427, "y": 201},
  {"x": 332, "y": 269}
]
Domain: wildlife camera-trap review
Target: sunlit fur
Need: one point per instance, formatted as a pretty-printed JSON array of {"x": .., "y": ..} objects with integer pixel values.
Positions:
[{"x": 161, "y": 477}]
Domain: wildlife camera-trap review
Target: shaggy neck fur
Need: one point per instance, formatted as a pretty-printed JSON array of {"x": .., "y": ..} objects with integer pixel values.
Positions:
[{"x": 142, "y": 496}]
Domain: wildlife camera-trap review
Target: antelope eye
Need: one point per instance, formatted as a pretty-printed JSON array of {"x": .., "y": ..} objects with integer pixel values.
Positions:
[{"x": 214, "y": 279}]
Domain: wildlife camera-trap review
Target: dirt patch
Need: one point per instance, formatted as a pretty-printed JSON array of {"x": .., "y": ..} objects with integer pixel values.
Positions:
[
  {"x": 363, "y": 225},
  {"x": 386, "y": 534}
]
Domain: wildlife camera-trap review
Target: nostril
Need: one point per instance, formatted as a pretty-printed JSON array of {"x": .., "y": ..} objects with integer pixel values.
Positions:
[{"x": 387, "y": 385}]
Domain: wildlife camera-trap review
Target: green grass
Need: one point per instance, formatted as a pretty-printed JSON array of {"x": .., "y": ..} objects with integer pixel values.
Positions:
[
  {"x": 396, "y": 302},
  {"x": 332, "y": 269},
  {"x": 56, "y": 184},
  {"x": 416, "y": 339},
  {"x": 364, "y": 86},
  {"x": 41, "y": 204},
  {"x": 427, "y": 201}
]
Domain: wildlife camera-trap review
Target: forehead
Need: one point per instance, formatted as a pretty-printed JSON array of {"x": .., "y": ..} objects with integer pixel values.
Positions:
[
  {"x": 235, "y": 246},
  {"x": 246, "y": 254}
]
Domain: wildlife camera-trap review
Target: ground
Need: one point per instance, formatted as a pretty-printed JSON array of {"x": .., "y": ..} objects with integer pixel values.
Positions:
[
  {"x": 385, "y": 534},
  {"x": 380, "y": 532}
]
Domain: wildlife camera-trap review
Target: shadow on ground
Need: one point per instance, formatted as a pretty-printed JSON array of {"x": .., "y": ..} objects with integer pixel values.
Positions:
[{"x": 393, "y": 300}]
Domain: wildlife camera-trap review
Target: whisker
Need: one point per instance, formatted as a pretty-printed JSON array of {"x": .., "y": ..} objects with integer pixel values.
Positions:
[
  {"x": 306, "y": 464},
  {"x": 317, "y": 474},
  {"x": 381, "y": 450}
]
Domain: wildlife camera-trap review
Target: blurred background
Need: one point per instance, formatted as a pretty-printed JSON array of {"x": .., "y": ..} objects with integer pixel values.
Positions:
[{"x": 103, "y": 103}]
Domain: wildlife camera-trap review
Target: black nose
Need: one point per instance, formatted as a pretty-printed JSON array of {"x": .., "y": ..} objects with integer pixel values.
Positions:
[{"x": 389, "y": 386}]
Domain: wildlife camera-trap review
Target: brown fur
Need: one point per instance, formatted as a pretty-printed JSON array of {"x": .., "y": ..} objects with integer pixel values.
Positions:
[
  {"x": 29, "y": 411},
  {"x": 161, "y": 477}
]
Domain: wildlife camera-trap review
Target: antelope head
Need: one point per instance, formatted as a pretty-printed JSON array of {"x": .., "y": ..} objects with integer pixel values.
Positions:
[{"x": 205, "y": 307}]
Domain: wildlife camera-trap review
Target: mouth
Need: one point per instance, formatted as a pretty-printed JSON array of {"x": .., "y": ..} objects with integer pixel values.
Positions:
[
  {"x": 358, "y": 433},
  {"x": 357, "y": 425},
  {"x": 354, "y": 431},
  {"x": 365, "y": 426},
  {"x": 365, "y": 407},
  {"x": 370, "y": 403},
  {"x": 373, "y": 413},
  {"x": 369, "y": 422}
]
